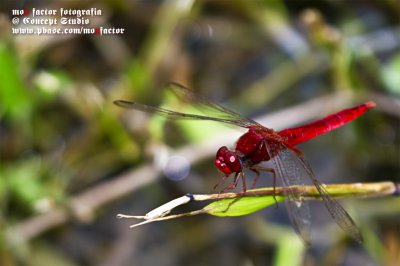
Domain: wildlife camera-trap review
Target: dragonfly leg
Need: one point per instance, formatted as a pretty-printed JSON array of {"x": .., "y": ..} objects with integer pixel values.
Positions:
[
  {"x": 223, "y": 179},
  {"x": 244, "y": 188},
  {"x": 233, "y": 184},
  {"x": 239, "y": 195},
  {"x": 256, "y": 169}
]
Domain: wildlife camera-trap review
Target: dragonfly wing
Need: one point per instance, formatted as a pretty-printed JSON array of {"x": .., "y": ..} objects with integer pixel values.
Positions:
[
  {"x": 295, "y": 170},
  {"x": 213, "y": 111},
  {"x": 338, "y": 213},
  {"x": 169, "y": 113},
  {"x": 288, "y": 172},
  {"x": 188, "y": 95}
]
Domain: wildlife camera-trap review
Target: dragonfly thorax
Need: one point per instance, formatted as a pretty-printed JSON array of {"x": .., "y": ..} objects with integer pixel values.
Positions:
[{"x": 228, "y": 161}]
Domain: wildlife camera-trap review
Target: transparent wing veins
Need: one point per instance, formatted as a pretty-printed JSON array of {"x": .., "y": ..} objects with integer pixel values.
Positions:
[
  {"x": 338, "y": 213},
  {"x": 298, "y": 209},
  {"x": 173, "y": 115},
  {"x": 221, "y": 114},
  {"x": 292, "y": 175}
]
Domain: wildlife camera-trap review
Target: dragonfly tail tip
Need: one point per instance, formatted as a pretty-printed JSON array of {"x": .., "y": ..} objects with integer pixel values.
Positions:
[{"x": 370, "y": 104}]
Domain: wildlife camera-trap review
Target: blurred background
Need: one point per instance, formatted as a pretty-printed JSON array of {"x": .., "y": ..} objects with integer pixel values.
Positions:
[{"x": 71, "y": 160}]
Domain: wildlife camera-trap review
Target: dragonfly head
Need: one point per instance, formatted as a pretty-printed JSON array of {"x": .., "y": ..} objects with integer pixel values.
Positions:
[{"x": 227, "y": 161}]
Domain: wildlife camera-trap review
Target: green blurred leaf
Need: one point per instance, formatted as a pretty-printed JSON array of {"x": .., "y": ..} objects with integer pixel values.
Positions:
[
  {"x": 23, "y": 181},
  {"x": 50, "y": 83},
  {"x": 139, "y": 76},
  {"x": 14, "y": 98},
  {"x": 290, "y": 250},
  {"x": 194, "y": 130},
  {"x": 391, "y": 75},
  {"x": 197, "y": 131},
  {"x": 342, "y": 59}
]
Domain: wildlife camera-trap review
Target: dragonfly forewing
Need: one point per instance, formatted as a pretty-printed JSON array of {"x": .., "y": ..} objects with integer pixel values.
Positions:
[{"x": 212, "y": 111}]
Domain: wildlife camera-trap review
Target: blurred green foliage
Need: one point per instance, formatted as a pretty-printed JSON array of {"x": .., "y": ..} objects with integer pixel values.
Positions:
[
  {"x": 390, "y": 75},
  {"x": 15, "y": 99}
]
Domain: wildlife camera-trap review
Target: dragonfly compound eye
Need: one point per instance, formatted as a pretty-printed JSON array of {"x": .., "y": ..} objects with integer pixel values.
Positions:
[{"x": 227, "y": 161}]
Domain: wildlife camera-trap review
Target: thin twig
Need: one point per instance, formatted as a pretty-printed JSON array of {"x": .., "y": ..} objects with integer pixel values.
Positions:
[{"x": 307, "y": 193}]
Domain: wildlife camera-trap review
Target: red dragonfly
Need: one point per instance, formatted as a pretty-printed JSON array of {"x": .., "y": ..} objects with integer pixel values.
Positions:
[{"x": 261, "y": 144}]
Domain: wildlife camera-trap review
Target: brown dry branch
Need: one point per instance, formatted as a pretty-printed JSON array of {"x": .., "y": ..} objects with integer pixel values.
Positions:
[{"x": 378, "y": 189}]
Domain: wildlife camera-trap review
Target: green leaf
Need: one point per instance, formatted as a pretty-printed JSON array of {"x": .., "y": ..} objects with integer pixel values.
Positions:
[
  {"x": 14, "y": 98},
  {"x": 139, "y": 76},
  {"x": 242, "y": 206},
  {"x": 390, "y": 75},
  {"x": 23, "y": 181},
  {"x": 50, "y": 83},
  {"x": 290, "y": 250}
]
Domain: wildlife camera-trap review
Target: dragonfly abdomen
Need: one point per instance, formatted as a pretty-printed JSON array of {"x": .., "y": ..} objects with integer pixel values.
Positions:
[{"x": 294, "y": 136}]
